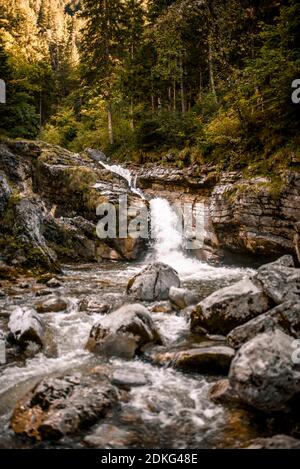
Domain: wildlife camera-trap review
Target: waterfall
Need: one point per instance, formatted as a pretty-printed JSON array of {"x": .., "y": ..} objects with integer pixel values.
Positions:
[
  {"x": 168, "y": 238},
  {"x": 168, "y": 242},
  {"x": 125, "y": 174},
  {"x": 168, "y": 246}
]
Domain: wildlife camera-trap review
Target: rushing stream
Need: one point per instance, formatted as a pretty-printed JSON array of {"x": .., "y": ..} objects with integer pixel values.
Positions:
[{"x": 172, "y": 409}]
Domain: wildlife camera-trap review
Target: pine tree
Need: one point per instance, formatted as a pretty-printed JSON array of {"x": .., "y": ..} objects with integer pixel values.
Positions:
[{"x": 103, "y": 49}]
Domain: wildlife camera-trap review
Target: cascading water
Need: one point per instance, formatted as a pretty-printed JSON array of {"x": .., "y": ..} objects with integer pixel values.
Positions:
[
  {"x": 168, "y": 246},
  {"x": 125, "y": 174}
]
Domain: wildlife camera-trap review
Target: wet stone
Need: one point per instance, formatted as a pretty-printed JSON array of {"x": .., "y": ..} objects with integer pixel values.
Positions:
[
  {"x": 52, "y": 305},
  {"x": 62, "y": 405}
]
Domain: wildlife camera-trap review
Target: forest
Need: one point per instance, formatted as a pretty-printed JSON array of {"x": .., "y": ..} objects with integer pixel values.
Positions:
[
  {"x": 149, "y": 231},
  {"x": 198, "y": 81}
]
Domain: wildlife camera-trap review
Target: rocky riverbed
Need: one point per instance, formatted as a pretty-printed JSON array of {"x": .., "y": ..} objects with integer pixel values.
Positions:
[{"x": 123, "y": 343}]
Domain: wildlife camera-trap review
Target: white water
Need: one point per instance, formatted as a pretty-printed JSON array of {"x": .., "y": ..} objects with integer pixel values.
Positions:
[
  {"x": 125, "y": 174},
  {"x": 168, "y": 242}
]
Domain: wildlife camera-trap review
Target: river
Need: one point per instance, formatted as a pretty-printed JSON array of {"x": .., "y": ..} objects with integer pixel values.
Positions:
[{"x": 172, "y": 409}]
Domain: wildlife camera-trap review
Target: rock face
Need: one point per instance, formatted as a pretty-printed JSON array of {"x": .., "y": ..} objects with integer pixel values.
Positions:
[
  {"x": 256, "y": 215},
  {"x": 5, "y": 193},
  {"x": 181, "y": 298},
  {"x": 275, "y": 442},
  {"x": 123, "y": 332},
  {"x": 153, "y": 283},
  {"x": 263, "y": 373},
  {"x": 280, "y": 280},
  {"x": 244, "y": 216},
  {"x": 50, "y": 215},
  {"x": 285, "y": 317},
  {"x": 63, "y": 405},
  {"x": 209, "y": 360},
  {"x": 230, "y": 307},
  {"x": 26, "y": 326}
]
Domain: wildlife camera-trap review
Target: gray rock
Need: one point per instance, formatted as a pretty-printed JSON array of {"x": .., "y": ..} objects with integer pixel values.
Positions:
[
  {"x": 280, "y": 280},
  {"x": 5, "y": 193},
  {"x": 2, "y": 348},
  {"x": 153, "y": 283},
  {"x": 248, "y": 217},
  {"x": 128, "y": 379},
  {"x": 221, "y": 392},
  {"x": 181, "y": 298},
  {"x": 26, "y": 326},
  {"x": 94, "y": 305},
  {"x": 285, "y": 317},
  {"x": 123, "y": 332},
  {"x": 30, "y": 217},
  {"x": 263, "y": 373},
  {"x": 54, "y": 283},
  {"x": 210, "y": 360},
  {"x": 62, "y": 405},
  {"x": 230, "y": 307},
  {"x": 96, "y": 155},
  {"x": 275, "y": 442},
  {"x": 161, "y": 307},
  {"x": 52, "y": 305}
]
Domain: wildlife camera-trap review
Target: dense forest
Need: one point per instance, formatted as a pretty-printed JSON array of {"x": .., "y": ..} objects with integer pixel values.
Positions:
[{"x": 199, "y": 81}]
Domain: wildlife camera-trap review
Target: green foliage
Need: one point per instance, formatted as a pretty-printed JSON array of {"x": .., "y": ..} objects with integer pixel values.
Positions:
[{"x": 210, "y": 80}]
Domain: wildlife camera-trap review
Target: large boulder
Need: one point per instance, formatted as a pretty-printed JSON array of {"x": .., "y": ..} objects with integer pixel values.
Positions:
[
  {"x": 230, "y": 307},
  {"x": 275, "y": 442},
  {"x": 181, "y": 298},
  {"x": 123, "y": 332},
  {"x": 285, "y": 317},
  {"x": 59, "y": 406},
  {"x": 210, "y": 359},
  {"x": 153, "y": 283},
  {"x": 280, "y": 280},
  {"x": 26, "y": 326},
  {"x": 263, "y": 373},
  {"x": 29, "y": 226}
]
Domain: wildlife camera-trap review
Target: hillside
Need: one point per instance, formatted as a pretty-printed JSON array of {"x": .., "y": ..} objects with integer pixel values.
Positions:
[{"x": 199, "y": 81}]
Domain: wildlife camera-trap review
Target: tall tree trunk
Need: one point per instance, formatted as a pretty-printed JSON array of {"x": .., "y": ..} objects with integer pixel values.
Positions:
[
  {"x": 174, "y": 95},
  {"x": 152, "y": 103},
  {"x": 169, "y": 98},
  {"x": 182, "y": 87},
  {"x": 110, "y": 123},
  {"x": 211, "y": 69},
  {"x": 41, "y": 111},
  {"x": 131, "y": 114},
  {"x": 200, "y": 85}
]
